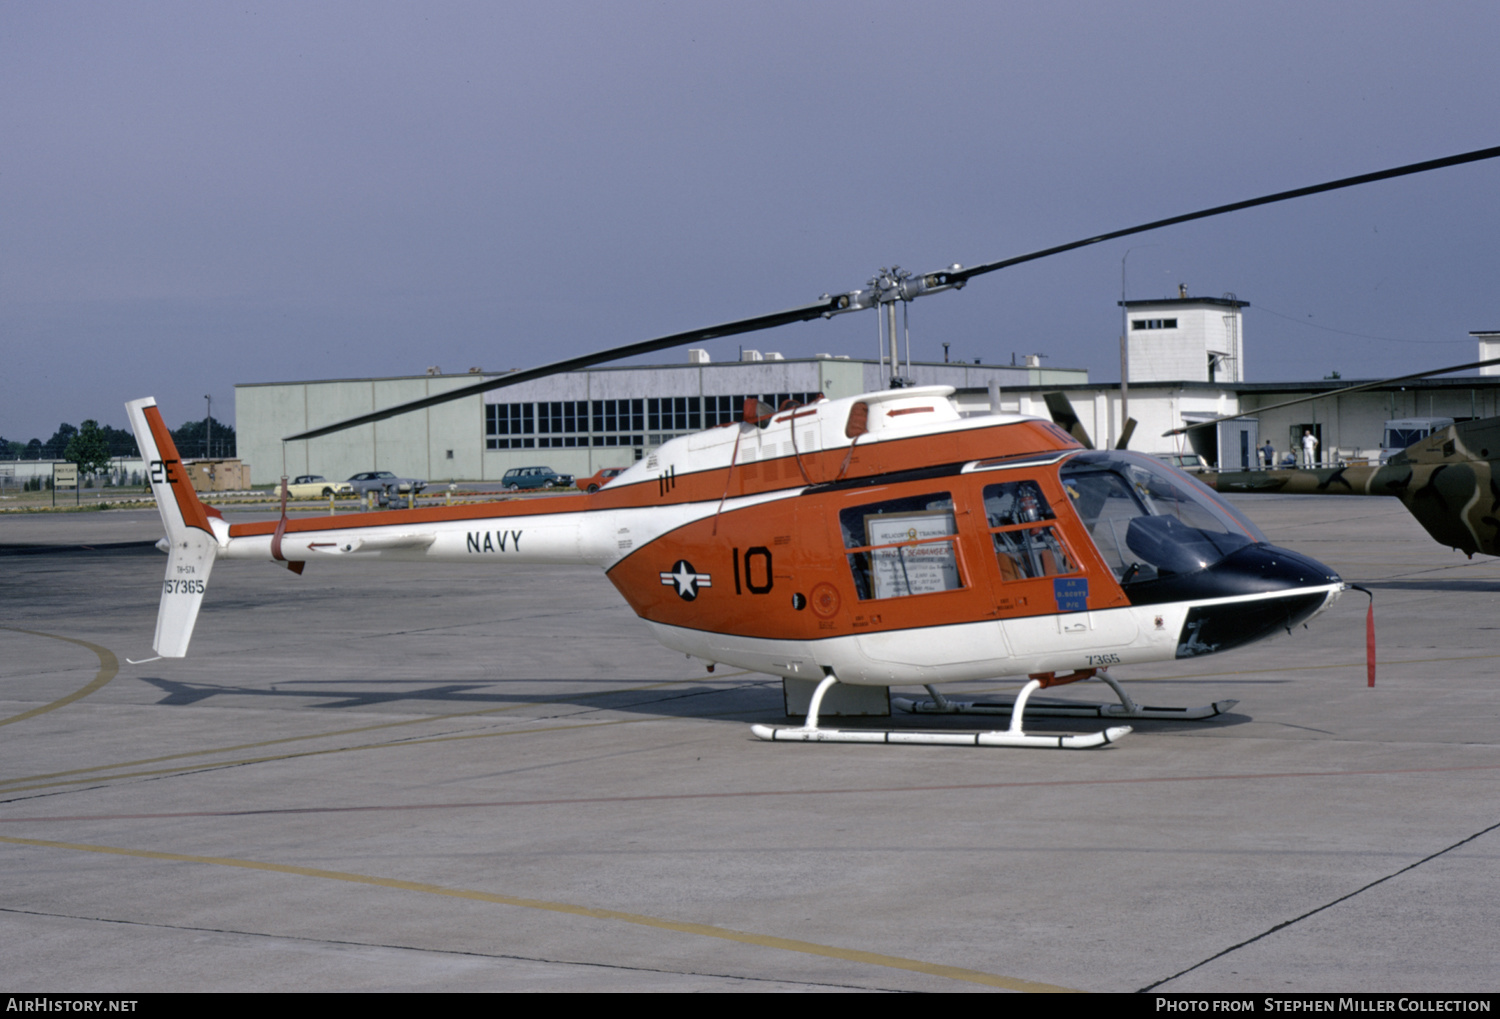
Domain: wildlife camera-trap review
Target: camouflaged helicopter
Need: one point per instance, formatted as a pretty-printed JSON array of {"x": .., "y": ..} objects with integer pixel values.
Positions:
[{"x": 1449, "y": 481}]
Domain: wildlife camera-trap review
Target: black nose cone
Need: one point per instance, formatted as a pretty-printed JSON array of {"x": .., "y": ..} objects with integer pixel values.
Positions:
[
  {"x": 1280, "y": 589},
  {"x": 1251, "y": 569}
]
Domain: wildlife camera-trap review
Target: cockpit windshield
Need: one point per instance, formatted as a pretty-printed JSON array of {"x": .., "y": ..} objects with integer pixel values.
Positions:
[{"x": 1149, "y": 521}]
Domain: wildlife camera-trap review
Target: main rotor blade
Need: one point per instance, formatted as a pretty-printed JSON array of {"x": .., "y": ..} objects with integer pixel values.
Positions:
[
  {"x": 828, "y": 306},
  {"x": 964, "y": 275},
  {"x": 744, "y": 325},
  {"x": 1333, "y": 392}
]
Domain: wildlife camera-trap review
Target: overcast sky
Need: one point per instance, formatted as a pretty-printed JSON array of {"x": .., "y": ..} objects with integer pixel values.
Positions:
[{"x": 195, "y": 195}]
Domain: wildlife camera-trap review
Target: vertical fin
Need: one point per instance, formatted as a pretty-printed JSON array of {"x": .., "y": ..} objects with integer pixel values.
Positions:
[
  {"x": 192, "y": 546},
  {"x": 189, "y": 561}
]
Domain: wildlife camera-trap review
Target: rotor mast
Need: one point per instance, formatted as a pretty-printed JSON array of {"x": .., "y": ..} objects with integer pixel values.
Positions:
[{"x": 885, "y": 289}]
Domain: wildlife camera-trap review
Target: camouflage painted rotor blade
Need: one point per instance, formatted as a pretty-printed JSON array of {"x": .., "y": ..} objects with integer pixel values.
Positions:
[
  {"x": 1449, "y": 481},
  {"x": 1332, "y": 392},
  {"x": 1063, "y": 415},
  {"x": 1060, "y": 408}
]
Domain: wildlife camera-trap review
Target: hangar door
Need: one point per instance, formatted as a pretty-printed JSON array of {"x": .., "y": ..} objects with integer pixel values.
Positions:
[{"x": 1229, "y": 446}]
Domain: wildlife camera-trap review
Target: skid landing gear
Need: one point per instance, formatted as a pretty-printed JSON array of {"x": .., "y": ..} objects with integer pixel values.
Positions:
[
  {"x": 1014, "y": 736},
  {"x": 1127, "y": 708}
]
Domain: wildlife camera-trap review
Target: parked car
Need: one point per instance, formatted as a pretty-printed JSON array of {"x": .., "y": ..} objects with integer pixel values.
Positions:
[
  {"x": 315, "y": 486},
  {"x": 518, "y": 478},
  {"x": 385, "y": 484},
  {"x": 1192, "y": 463},
  {"x": 599, "y": 479}
]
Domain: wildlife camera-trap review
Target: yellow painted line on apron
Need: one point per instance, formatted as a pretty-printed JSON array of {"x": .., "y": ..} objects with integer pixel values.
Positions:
[
  {"x": 681, "y": 927},
  {"x": 109, "y": 665}
]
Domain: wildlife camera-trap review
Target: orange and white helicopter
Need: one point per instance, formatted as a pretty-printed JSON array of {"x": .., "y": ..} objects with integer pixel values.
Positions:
[{"x": 885, "y": 539}]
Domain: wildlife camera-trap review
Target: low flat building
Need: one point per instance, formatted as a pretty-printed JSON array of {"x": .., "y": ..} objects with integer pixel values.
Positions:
[{"x": 574, "y": 422}]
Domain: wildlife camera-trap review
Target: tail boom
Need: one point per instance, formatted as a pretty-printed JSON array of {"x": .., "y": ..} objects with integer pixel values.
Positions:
[{"x": 570, "y": 530}]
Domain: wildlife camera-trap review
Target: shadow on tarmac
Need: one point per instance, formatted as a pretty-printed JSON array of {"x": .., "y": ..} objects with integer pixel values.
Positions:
[{"x": 747, "y": 699}]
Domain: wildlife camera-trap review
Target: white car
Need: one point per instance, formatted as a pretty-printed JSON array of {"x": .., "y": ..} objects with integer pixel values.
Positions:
[{"x": 315, "y": 486}]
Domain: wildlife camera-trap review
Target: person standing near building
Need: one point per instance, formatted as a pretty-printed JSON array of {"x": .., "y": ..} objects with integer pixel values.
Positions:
[
  {"x": 1309, "y": 448},
  {"x": 1268, "y": 454}
]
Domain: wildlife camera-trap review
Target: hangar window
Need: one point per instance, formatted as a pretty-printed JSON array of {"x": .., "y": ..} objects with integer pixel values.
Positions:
[
  {"x": 569, "y": 424},
  {"x": 563, "y": 416},
  {"x": 510, "y": 426},
  {"x": 674, "y": 414},
  {"x": 723, "y": 410}
]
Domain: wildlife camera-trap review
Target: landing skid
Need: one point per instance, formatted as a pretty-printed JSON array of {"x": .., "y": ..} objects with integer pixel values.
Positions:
[
  {"x": 1014, "y": 736},
  {"x": 1127, "y": 708}
]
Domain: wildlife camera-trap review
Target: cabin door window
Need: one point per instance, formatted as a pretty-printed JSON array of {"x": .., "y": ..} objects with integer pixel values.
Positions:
[
  {"x": 1027, "y": 546},
  {"x": 902, "y": 547}
]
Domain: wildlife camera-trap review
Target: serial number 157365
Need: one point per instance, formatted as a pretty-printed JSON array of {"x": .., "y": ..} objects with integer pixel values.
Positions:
[{"x": 184, "y": 586}]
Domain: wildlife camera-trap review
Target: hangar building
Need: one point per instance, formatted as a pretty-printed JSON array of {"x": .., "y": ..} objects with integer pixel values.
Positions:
[{"x": 575, "y": 422}]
